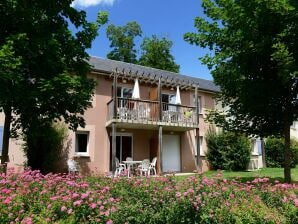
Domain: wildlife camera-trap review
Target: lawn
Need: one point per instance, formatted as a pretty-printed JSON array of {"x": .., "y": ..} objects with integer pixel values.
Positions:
[{"x": 272, "y": 173}]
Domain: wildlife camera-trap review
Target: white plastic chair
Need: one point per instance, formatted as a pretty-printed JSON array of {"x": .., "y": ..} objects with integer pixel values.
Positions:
[
  {"x": 120, "y": 167},
  {"x": 73, "y": 166},
  {"x": 144, "y": 167},
  {"x": 152, "y": 166}
]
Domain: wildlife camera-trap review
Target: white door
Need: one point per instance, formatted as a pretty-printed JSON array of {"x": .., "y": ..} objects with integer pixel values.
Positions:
[{"x": 171, "y": 153}]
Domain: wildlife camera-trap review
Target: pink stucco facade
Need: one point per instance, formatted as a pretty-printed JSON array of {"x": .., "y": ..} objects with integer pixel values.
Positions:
[{"x": 144, "y": 137}]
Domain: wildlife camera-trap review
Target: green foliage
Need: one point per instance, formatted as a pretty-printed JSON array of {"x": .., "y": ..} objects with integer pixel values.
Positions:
[
  {"x": 44, "y": 64},
  {"x": 255, "y": 63},
  {"x": 228, "y": 151},
  {"x": 30, "y": 197},
  {"x": 255, "y": 51},
  {"x": 156, "y": 53},
  {"x": 45, "y": 147},
  {"x": 274, "y": 148},
  {"x": 122, "y": 41}
]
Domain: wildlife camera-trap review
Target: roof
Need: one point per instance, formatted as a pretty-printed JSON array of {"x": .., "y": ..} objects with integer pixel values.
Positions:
[{"x": 110, "y": 66}]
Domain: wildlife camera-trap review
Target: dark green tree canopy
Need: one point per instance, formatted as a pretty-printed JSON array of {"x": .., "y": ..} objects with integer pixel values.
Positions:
[
  {"x": 156, "y": 53},
  {"x": 122, "y": 41},
  {"x": 255, "y": 63},
  {"x": 44, "y": 64}
]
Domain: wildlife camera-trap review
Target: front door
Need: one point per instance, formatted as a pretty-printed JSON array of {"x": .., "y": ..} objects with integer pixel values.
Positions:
[
  {"x": 171, "y": 153},
  {"x": 123, "y": 147}
]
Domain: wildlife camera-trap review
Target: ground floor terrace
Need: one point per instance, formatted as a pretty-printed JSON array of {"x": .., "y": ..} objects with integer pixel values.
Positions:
[{"x": 176, "y": 150}]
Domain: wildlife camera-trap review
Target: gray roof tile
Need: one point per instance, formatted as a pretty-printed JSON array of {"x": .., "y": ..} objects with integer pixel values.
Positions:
[{"x": 108, "y": 66}]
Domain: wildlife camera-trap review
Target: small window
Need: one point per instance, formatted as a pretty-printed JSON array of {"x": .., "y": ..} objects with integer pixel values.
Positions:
[
  {"x": 199, "y": 103},
  {"x": 201, "y": 141},
  {"x": 82, "y": 139},
  {"x": 124, "y": 92}
]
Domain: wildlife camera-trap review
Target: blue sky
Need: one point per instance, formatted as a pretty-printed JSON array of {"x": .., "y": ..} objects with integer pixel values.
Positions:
[{"x": 168, "y": 18}]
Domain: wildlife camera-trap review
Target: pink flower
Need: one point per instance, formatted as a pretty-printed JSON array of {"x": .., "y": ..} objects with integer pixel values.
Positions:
[
  {"x": 27, "y": 220},
  {"x": 109, "y": 222},
  {"x": 63, "y": 208},
  {"x": 7, "y": 200},
  {"x": 296, "y": 202},
  {"x": 93, "y": 205},
  {"x": 232, "y": 196},
  {"x": 285, "y": 199},
  {"x": 178, "y": 194},
  {"x": 77, "y": 203},
  {"x": 85, "y": 195},
  {"x": 49, "y": 206}
]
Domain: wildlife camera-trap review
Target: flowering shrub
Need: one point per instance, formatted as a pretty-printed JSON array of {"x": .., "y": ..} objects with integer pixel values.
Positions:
[{"x": 31, "y": 197}]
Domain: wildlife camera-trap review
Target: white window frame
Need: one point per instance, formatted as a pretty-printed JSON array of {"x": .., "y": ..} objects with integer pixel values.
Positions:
[{"x": 76, "y": 143}]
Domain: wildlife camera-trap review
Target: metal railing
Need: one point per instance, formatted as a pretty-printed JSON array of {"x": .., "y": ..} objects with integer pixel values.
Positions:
[{"x": 145, "y": 110}]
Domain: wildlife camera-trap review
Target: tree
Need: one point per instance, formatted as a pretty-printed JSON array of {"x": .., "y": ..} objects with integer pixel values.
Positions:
[
  {"x": 43, "y": 64},
  {"x": 156, "y": 53},
  {"x": 122, "y": 41},
  {"x": 255, "y": 63}
]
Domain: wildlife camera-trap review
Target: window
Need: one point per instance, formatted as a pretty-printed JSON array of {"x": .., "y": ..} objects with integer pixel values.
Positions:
[
  {"x": 82, "y": 139},
  {"x": 1, "y": 139},
  {"x": 199, "y": 103},
  {"x": 256, "y": 147},
  {"x": 201, "y": 144},
  {"x": 124, "y": 92},
  {"x": 168, "y": 99}
]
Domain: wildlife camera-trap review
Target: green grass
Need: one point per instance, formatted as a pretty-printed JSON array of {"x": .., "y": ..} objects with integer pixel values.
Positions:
[{"x": 272, "y": 173}]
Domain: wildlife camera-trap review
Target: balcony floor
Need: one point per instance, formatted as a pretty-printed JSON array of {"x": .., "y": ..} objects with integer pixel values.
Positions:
[{"x": 151, "y": 125}]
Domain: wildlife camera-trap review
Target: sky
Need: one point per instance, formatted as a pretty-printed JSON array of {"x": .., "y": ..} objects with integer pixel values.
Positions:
[{"x": 165, "y": 18}]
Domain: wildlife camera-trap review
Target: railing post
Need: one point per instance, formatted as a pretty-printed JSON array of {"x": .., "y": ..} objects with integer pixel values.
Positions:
[
  {"x": 199, "y": 168},
  {"x": 114, "y": 142},
  {"x": 115, "y": 96},
  {"x": 197, "y": 105},
  {"x": 160, "y": 149},
  {"x": 160, "y": 99}
]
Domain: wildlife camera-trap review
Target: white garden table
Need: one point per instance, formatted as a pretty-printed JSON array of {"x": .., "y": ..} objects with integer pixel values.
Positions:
[{"x": 129, "y": 164}]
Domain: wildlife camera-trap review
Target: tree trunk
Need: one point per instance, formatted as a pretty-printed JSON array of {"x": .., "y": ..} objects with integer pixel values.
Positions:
[
  {"x": 6, "y": 135},
  {"x": 287, "y": 153}
]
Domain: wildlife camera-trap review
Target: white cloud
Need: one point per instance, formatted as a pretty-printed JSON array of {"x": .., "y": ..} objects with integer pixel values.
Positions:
[{"x": 88, "y": 3}]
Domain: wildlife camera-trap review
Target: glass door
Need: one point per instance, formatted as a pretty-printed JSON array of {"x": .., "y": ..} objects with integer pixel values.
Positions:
[{"x": 123, "y": 147}]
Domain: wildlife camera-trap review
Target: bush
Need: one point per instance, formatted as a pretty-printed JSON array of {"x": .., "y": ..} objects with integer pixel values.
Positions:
[
  {"x": 228, "y": 151},
  {"x": 31, "y": 197},
  {"x": 274, "y": 148},
  {"x": 45, "y": 148}
]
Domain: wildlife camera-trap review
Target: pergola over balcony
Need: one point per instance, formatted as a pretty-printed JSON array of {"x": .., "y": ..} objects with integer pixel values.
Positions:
[{"x": 152, "y": 113}]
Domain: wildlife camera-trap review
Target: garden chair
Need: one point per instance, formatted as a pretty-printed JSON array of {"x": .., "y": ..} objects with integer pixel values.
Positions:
[
  {"x": 152, "y": 166},
  {"x": 120, "y": 167},
  {"x": 144, "y": 167},
  {"x": 73, "y": 167}
]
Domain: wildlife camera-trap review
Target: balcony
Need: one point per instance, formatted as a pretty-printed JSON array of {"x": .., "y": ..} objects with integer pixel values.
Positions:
[{"x": 136, "y": 113}]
